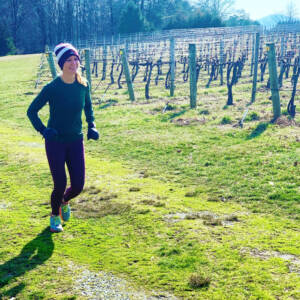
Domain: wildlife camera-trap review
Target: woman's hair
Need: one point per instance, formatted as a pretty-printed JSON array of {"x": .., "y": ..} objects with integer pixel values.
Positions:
[{"x": 80, "y": 79}]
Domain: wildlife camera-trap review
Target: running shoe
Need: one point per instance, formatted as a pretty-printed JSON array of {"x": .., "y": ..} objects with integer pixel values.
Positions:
[
  {"x": 65, "y": 211},
  {"x": 55, "y": 224}
]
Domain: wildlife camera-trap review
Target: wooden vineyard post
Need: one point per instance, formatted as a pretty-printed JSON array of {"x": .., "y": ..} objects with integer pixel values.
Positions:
[
  {"x": 221, "y": 61},
  {"x": 126, "y": 46},
  {"x": 283, "y": 46},
  {"x": 193, "y": 81},
  {"x": 87, "y": 66},
  {"x": 104, "y": 61},
  {"x": 172, "y": 57},
  {"x": 253, "y": 54},
  {"x": 51, "y": 63},
  {"x": 127, "y": 74},
  {"x": 273, "y": 80},
  {"x": 281, "y": 61},
  {"x": 257, "y": 40}
]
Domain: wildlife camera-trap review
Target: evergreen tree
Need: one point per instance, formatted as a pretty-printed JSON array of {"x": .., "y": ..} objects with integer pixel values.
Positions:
[
  {"x": 240, "y": 18},
  {"x": 131, "y": 19},
  {"x": 202, "y": 19},
  {"x": 6, "y": 43}
]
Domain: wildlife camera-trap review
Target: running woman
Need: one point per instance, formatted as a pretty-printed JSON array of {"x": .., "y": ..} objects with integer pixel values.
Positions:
[{"x": 67, "y": 96}]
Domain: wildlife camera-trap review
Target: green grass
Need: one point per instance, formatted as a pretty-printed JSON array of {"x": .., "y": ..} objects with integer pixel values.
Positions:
[{"x": 173, "y": 201}]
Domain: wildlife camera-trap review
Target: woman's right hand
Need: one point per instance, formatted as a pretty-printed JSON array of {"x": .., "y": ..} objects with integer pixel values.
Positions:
[
  {"x": 93, "y": 134},
  {"x": 49, "y": 133}
]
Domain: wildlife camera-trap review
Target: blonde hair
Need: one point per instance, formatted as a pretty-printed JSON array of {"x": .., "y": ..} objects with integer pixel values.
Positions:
[{"x": 80, "y": 79}]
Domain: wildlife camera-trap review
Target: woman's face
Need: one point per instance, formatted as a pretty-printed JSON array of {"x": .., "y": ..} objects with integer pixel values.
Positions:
[{"x": 71, "y": 65}]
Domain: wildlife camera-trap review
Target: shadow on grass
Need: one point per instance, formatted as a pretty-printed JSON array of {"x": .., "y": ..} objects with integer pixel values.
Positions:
[
  {"x": 108, "y": 104},
  {"x": 174, "y": 115},
  {"x": 261, "y": 127},
  {"x": 34, "y": 253}
]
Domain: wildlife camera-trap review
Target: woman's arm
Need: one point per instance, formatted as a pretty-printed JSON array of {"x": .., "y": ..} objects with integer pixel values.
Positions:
[
  {"x": 34, "y": 107},
  {"x": 89, "y": 114},
  {"x": 88, "y": 108}
]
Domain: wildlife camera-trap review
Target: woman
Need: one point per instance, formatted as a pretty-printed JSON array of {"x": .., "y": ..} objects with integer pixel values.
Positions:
[{"x": 67, "y": 95}]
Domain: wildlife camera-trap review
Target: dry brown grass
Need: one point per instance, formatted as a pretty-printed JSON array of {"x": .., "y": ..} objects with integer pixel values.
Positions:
[
  {"x": 199, "y": 281},
  {"x": 99, "y": 209},
  {"x": 153, "y": 203}
]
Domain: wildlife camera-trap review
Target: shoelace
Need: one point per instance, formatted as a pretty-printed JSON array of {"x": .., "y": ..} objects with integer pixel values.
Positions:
[{"x": 56, "y": 221}]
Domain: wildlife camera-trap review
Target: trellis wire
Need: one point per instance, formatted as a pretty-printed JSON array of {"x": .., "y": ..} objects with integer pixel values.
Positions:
[{"x": 216, "y": 49}]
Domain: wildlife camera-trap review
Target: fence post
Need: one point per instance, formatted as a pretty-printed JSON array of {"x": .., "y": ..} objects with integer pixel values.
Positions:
[
  {"x": 87, "y": 66},
  {"x": 193, "y": 82},
  {"x": 127, "y": 74},
  {"x": 273, "y": 80},
  {"x": 221, "y": 61},
  {"x": 172, "y": 57},
  {"x": 257, "y": 40},
  {"x": 51, "y": 63}
]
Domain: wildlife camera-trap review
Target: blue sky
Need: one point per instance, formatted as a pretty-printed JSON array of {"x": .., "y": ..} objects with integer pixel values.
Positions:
[{"x": 261, "y": 8}]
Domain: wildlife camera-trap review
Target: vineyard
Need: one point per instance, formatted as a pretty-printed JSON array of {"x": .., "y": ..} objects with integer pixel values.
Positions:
[{"x": 225, "y": 57}]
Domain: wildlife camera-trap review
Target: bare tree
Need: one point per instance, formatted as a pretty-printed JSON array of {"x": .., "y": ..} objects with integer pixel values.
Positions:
[
  {"x": 220, "y": 8},
  {"x": 17, "y": 15},
  {"x": 291, "y": 11}
]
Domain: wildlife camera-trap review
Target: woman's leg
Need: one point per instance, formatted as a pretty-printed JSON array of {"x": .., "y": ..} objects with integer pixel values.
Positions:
[
  {"x": 56, "y": 154},
  {"x": 76, "y": 166}
]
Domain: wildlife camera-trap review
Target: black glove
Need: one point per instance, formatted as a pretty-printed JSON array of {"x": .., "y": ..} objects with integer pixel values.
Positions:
[
  {"x": 49, "y": 133},
  {"x": 92, "y": 132}
]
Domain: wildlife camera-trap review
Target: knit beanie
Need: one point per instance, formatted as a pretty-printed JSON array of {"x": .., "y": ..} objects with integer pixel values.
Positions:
[{"x": 63, "y": 51}]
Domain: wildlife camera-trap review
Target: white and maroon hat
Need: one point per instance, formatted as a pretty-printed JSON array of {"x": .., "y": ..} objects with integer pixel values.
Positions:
[{"x": 63, "y": 51}]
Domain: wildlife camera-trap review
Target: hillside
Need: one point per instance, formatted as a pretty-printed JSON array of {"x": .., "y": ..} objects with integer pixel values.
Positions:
[{"x": 272, "y": 20}]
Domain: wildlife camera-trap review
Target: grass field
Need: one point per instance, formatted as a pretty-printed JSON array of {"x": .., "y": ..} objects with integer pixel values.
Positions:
[{"x": 182, "y": 202}]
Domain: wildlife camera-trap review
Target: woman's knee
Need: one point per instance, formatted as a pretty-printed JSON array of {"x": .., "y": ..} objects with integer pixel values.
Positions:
[
  {"x": 57, "y": 194},
  {"x": 78, "y": 188},
  {"x": 74, "y": 190}
]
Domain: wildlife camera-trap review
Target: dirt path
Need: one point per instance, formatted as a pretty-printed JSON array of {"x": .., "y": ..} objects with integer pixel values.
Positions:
[{"x": 106, "y": 286}]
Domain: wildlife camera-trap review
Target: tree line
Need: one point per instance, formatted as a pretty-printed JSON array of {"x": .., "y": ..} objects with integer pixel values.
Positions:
[{"x": 26, "y": 26}]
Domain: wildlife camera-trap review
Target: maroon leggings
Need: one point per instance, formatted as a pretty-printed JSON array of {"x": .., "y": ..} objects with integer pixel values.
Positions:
[{"x": 59, "y": 154}]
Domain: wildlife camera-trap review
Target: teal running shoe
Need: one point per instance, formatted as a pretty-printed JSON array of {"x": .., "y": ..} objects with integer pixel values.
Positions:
[
  {"x": 65, "y": 211},
  {"x": 55, "y": 224}
]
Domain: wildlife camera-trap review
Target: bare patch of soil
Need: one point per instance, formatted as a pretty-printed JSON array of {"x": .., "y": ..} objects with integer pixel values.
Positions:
[
  {"x": 208, "y": 217},
  {"x": 293, "y": 260},
  {"x": 188, "y": 121}
]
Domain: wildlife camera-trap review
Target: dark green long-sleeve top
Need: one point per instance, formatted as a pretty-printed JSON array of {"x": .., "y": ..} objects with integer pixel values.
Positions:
[{"x": 66, "y": 102}]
